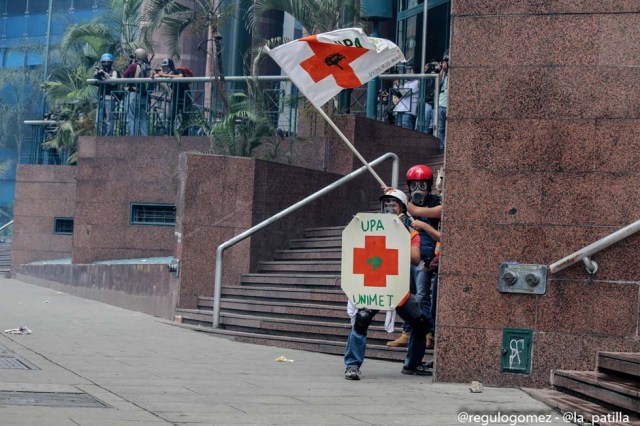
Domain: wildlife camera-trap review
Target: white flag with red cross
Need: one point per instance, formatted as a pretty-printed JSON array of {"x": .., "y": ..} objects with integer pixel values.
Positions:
[{"x": 322, "y": 65}]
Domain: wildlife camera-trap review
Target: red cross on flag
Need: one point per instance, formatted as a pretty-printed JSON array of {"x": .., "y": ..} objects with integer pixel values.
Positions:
[
  {"x": 322, "y": 65},
  {"x": 376, "y": 252}
]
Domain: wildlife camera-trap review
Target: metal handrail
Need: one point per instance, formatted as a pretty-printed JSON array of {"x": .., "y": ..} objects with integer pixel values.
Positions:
[
  {"x": 217, "y": 291},
  {"x": 584, "y": 254},
  {"x": 6, "y": 225}
]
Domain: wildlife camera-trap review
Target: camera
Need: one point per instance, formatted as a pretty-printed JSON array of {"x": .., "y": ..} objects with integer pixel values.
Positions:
[{"x": 432, "y": 67}]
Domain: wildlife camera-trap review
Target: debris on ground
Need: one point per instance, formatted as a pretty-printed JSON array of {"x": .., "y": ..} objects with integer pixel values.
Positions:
[
  {"x": 20, "y": 330},
  {"x": 476, "y": 387},
  {"x": 283, "y": 358}
]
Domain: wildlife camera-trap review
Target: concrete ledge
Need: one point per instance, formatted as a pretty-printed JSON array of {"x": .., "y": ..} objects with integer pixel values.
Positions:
[{"x": 142, "y": 288}]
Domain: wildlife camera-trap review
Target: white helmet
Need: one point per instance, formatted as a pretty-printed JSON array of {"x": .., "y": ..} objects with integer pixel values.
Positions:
[
  {"x": 398, "y": 195},
  {"x": 140, "y": 54}
]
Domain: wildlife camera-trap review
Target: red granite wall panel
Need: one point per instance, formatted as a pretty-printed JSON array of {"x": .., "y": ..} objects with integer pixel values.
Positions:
[
  {"x": 42, "y": 194},
  {"x": 541, "y": 158},
  {"x": 112, "y": 174}
]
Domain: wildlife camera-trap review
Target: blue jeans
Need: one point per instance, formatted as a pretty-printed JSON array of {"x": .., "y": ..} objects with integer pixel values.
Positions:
[
  {"x": 442, "y": 125},
  {"x": 422, "y": 279},
  {"x": 137, "y": 115},
  {"x": 406, "y": 120},
  {"x": 357, "y": 343},
  {"x": 428, "y": 118},
  {"x": 434, "y": 299},
  {"x": 108, "y": 106}
]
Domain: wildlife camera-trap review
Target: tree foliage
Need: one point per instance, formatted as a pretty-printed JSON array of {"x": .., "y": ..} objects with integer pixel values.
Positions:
[{"x": 119, "y": 32}]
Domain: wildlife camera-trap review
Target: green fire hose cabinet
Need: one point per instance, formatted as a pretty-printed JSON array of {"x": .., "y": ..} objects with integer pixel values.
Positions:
[{"x": 517, "y": 345}]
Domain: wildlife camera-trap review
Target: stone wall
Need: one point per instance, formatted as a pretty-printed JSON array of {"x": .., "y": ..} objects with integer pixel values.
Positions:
[
  {"x": 114, "y": 172},
  {"x": 541, "y": 159},
  {"x": 42, "y": 194},
  {"x": 220, "y": 197},
  {"x": 142, "y": 288}
]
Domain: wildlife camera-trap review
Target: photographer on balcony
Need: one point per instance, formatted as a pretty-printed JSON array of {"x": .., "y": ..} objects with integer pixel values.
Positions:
[
  {"x": 138, "y": 99},
  {"x": 176, "y": 91},
  {"x": 405, "y": 99},
  {"x": 107, "y": 99}
]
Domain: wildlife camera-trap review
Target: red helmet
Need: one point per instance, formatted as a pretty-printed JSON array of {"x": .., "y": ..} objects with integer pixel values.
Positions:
[{"x": 419, "y": 172}]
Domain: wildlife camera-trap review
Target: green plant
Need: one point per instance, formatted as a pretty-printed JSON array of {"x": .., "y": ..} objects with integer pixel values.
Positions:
[{"x": 74, "y": 109}]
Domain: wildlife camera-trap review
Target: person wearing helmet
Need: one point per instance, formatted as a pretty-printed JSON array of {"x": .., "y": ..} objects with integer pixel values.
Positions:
[
  {"x": 138, "y": 97},
  {"x": 108, "y": 100},
  {"x": 176, "y": 93},
  {"x": 426, "y": 209},
  {"x": 393, "y": 201}
]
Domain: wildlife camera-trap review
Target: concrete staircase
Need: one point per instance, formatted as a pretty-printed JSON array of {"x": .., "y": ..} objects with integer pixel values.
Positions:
[
  {"x": 5, "y": 259},
  {"x": 613, "y": 389},
  {"x": 295, "y": 301}
]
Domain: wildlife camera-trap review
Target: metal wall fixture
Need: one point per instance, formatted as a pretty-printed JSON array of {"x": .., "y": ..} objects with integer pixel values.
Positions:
[{"x": 522, "y": 278}]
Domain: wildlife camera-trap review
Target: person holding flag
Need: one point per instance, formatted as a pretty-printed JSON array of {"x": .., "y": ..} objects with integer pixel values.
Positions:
[{"x": 393, "y": 201}]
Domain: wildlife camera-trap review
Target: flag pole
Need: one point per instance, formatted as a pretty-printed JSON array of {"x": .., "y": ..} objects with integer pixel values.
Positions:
[{"x": 350, "y": 145}]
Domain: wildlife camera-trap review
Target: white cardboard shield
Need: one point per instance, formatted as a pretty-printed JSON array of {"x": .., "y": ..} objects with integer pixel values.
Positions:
[{"x": 376, "y": 257}]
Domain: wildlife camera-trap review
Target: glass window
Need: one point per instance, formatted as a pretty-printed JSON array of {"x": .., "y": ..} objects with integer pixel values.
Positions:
[
  {"x": 38, "y": 6},
  {"x": 37, "y": 25},
  {"x": 153, "y": 214},
  {"x": 63, "y": 225},
  {"x": 14, "y": 58},
  {"x": 16, "y": 7},
  {"x": 15, "y": 26}
]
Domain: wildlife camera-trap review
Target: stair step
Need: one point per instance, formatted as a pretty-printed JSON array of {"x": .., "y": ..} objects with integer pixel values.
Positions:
[
  {"x": 296, "y": 328},
  {"x": 327, "y": 231},
  {"x": 573, "y": 404},
  {"x": 305, "y": 266},
  {"x": 320, "y": 254},
  {"x": 300, "y": 343},
  {"x": 323, "y": 242},
  {"x": 336, "y": 296},
  {"x": 205, "y": 308},
  {"x": 300, "y": 280},
  {"x": 614, "y": 390},
  {"x": 286, "y": 310},
  {"x": 620, "y": 362}
]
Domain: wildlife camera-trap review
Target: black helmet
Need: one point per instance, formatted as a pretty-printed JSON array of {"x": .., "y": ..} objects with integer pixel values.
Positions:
[{"x": 168, "y": 63}]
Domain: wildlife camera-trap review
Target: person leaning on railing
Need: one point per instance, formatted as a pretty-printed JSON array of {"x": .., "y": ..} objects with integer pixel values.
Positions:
[
  {"x": 138, "y": 97},
  {"x": 107, "y": 99},
  {"x": 176, "y": 91}
]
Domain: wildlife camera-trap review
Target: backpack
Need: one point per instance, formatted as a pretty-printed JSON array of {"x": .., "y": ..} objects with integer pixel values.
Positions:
[
  {"x": 185, "y": 71},
  {"x": 145, "y": 70}
]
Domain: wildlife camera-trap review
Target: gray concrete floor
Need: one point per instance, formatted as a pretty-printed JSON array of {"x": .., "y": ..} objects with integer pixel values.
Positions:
[{"x": 150, "y": 372}]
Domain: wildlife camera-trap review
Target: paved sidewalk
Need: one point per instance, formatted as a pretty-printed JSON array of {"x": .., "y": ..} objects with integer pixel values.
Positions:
[{"x": 150, "y": 372}]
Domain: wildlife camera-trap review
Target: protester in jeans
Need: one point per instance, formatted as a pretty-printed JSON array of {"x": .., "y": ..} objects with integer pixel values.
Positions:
[
  {"x": 394, "y": 202},
  {"x": 425, "y": 209},
  {"x": 138, "y": 98}
]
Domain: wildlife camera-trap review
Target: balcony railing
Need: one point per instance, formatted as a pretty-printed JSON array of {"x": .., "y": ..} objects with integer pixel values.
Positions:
[{"x": 188, "y": 106}]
